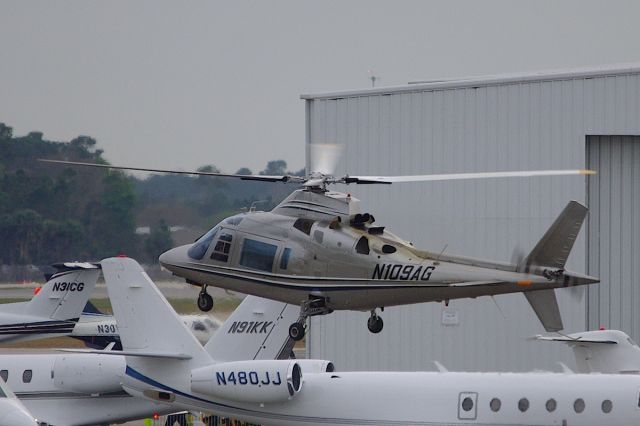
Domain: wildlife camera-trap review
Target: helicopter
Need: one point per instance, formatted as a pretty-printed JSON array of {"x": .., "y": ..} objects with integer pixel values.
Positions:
[{"x": 319, "y": 250}]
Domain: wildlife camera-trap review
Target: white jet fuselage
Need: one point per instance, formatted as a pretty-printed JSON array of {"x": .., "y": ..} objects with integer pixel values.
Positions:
[
  {"x": 429, "y": 398},
  {"x": 74, "y": 389}
]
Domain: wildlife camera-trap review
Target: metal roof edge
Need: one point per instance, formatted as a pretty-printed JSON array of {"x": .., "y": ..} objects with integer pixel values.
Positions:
[{"x": 490, "y": 80}]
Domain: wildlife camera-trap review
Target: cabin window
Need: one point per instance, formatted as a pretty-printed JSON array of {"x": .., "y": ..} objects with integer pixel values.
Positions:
[
  {"x": 578, "y": 405},
  {"x": 284, "y": 259},
  {"x": 27, "y": 375},
  {"x": 551, "y": 405},
  {"x": 303, "y": 225},
  {"x": 467, "y": 404},
  {"x": 362, "y": 246},
  {"x": 495, "y": 405},
  {"x": 200, "y": 247},
  {"x": 222, "y": 248},
  {"x": 523, "y": 404},
  {"x": 388, "y": 249},
  {"x": 607, "y": 406},
  {"x": 318, "y": 236},
  {"x": 4, "y": 374},
  {"x": 258, "y": 255}
]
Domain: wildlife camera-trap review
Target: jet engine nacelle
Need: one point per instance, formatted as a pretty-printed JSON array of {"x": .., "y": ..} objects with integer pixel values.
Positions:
[
  {"x": 88, "y": 373},
  {"x": 249, "y": 381},
  {"x": 316, "y": 366}
]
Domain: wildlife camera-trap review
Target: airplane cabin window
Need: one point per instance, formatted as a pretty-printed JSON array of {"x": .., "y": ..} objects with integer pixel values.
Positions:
[
  {"x": 318, "y": 236},
  {"x": 4, "y": 374},
  {"x": 607, "y": 406},
  {"x": 26, "y": 376},
  {"x": 388, "y": 249},
  {"x": 467, "y": 404},
  {"x": 578, "y": 405},
  {"x": 200, "y": 247},
  {"x": 303, "y": 225},
  {"x": 258, "y": 255},
  {"x": 495, "y": 405},
  {"x": 523, "y": 404},
  {"x": 551, "y": 405},
  {"x": 284, "y": 259},
  {"x": 362, "y": 246}
]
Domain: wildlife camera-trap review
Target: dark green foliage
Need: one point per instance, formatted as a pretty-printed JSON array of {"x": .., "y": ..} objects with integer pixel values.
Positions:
[
  {"x": 159, "y": 240},
  {"x": 51, "y": 213}
]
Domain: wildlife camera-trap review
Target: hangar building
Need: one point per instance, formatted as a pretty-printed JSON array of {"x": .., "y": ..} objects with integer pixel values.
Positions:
[{"x": 585, "y": 118}]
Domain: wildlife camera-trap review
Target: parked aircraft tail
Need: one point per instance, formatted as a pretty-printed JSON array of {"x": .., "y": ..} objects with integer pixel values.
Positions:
[
  {"x": 55, "y": 308},
  {"x": 549, "y": 257},
  {"x": 66, "y": 293},
  {"x": 603, "y": 351},
  {"x": 252, "y": 331}
]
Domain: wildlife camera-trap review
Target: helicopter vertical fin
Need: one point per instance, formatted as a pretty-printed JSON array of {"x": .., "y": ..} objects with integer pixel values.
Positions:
[
  {"x": 545, "y": 305},
  {"x": 553, "y": 250},
  {"x": 554, "y": 247}
]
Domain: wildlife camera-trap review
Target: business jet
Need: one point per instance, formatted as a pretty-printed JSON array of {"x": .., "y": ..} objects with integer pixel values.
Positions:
[
  {"x": 61, "y": 307},
  {"x": 12, "y": 411},
  {"x": 73, "y": 389},
  {"x": 166, "y": 364},
  {"x": 97, "y": 329},
  {"x": 55, "y": 309}
]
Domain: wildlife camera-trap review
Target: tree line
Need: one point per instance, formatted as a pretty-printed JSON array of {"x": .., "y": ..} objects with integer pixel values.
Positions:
[{"x": 51, "y": 213}]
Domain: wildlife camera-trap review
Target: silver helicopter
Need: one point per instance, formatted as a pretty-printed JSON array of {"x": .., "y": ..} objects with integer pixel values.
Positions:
[{"x": 318, "y": 250}]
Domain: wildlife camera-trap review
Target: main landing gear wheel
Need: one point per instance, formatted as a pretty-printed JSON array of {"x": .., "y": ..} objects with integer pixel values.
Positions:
[
  {"x": 296, "y": 331},
  {"x": 205, "y": 301},
  {"x": 375, "y": 323}
]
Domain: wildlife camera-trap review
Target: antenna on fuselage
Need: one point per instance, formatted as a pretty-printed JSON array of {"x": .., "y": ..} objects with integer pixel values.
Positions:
[{"x": 253, "y": 205}]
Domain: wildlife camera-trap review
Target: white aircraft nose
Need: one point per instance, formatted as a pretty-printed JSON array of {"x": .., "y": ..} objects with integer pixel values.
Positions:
[{"x": 174, "y": 256}]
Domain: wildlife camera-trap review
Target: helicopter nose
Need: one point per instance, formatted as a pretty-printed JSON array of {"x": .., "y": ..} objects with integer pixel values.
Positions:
[{"x": 175, "y": 256}]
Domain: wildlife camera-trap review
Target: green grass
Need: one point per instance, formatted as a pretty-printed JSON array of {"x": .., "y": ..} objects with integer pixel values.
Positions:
[{"x": 182, "y": 306}]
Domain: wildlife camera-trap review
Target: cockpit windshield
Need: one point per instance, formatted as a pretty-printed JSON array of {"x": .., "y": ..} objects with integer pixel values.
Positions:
[{"x": 199, "y": 248}]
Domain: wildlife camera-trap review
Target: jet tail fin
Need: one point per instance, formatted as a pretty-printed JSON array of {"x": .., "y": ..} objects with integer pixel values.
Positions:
[
  {"x": 603, "y": 351},
  {"x": 146, "y": 321},
  {"x": 257, "y": 329},
  {"x": 66, "y": 292}
]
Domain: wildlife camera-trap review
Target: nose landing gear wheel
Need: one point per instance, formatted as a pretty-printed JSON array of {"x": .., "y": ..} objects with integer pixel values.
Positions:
[
  {"x": 205, "y": 301},
  {"x": 374, "y": 323},
  {"x": 296, "y": 331}
]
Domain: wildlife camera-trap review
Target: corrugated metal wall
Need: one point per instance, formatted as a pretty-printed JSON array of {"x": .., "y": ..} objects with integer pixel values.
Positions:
[
  {"x": 614, "y": 233},
  {"x": 467, "y": 127}
]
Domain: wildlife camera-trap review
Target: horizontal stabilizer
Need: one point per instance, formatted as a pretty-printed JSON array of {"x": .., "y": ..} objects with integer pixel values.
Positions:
[
  {"x": 556, "y": 244},
  {"x": 128, "y": 353},
  {"x": 602, "y": 351},
  {"x": 545, "y": 305}
]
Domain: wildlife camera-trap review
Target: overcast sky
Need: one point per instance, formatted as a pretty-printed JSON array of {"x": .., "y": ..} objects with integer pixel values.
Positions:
[{"x": 182, "y": 84}]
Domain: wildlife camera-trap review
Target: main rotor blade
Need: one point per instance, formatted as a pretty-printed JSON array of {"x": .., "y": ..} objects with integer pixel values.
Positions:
[
  {"x": 181, "y": 172},
  {"x": 323, "y": 158},
  {"x": 459, "y": 176}
]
